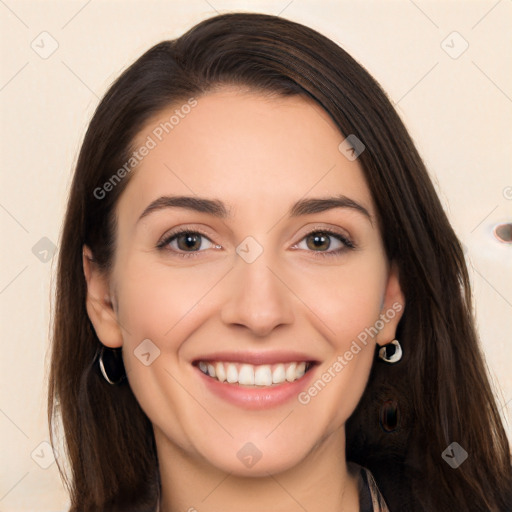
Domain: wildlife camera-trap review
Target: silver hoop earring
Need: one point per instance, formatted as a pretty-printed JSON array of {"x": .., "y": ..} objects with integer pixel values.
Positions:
[
  {"x": 391, "y": 353},
  {"x": 111, "y": 365}
]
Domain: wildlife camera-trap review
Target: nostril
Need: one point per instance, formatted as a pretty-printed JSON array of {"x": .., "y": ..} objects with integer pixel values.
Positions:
[{"x": 503, "y": 232}]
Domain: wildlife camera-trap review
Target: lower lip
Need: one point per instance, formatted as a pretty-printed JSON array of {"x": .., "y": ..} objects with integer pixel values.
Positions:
[{"x": 257, "y": 397}]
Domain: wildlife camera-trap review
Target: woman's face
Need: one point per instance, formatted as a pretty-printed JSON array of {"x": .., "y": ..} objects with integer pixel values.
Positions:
[{"x": 267, "y": 279}]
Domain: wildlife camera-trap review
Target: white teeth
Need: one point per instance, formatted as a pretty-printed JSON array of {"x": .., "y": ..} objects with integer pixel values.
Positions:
[
  {"x": 290, "y": 372},
  {"x": 279, "y": 375},
  {"x": 219, "y": 371},
  {"x": 232, "y": 373},
  {"x": 246, "y": 375},
  {"x": 263, "y": 375},
  {"x": 301, "y": 369},
  {"x": 250, "y": 375}
]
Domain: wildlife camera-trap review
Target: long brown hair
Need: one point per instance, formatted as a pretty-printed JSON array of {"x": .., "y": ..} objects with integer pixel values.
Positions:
[{"x": 441, "y": 386}]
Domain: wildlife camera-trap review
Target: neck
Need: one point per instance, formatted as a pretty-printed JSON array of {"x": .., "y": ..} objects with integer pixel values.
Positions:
[{"x": 320, "y": 482}]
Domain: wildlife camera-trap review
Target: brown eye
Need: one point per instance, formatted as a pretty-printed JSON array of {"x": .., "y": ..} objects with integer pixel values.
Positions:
[
  {"x": 325, "y": 243},
  {"x": 189, "y": 241},
  {"x": 318, "y": 241},
  {"x": 183, "y": 242}
]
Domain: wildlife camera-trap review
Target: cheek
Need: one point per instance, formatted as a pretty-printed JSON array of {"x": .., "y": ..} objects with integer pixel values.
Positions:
[
  {"x": 346, "y": 298},
  {"x": 164, "y": 305},
  {"x": 156, "y": 300}
]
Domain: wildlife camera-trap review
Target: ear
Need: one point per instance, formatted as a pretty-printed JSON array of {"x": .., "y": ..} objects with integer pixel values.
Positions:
[
  {"x": 99, "y": 303},
  {"x": 393, "y": 306}
]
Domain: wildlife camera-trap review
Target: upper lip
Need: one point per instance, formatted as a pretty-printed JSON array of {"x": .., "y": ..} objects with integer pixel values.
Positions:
[{"x": 257, "y": 358}]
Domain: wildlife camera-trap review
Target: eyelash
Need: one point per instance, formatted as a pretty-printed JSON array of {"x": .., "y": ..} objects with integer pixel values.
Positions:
[{"x": 348, "y": 244}]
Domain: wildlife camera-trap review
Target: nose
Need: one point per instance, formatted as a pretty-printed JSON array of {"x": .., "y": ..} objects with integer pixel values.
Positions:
[{"x": 260, "y": 299}]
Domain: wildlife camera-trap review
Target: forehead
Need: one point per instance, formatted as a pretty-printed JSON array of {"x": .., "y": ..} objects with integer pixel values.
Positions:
[{"x": 246, "y": 148}]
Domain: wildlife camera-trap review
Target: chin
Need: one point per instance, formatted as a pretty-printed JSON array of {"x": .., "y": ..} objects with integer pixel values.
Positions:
[{"x": 256, "y": 457}]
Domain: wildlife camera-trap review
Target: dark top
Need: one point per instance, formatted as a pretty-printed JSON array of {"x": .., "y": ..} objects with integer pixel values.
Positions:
[{"x": 370, "y": 497}]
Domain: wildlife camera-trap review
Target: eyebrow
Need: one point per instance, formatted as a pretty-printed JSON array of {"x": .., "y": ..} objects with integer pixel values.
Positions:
[{"x": 217, "y": 208}]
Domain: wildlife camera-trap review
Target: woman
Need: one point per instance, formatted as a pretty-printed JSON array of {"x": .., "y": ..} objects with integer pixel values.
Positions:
[{"x": 261, "y": 304}]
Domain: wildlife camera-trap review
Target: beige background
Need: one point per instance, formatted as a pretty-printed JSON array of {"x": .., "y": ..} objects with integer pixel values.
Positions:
[{"x": 458, "y": 111}]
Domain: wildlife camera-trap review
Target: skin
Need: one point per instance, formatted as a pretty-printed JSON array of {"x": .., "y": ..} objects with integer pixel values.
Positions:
[{"x": 259, "y": 155}]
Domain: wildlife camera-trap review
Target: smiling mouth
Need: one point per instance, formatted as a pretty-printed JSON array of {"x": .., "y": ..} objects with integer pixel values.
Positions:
[{"x": 265, "y": 375}]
